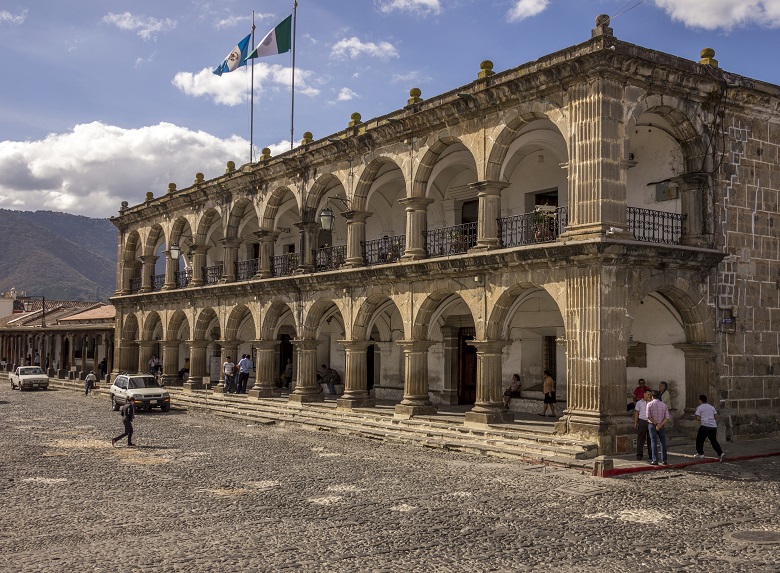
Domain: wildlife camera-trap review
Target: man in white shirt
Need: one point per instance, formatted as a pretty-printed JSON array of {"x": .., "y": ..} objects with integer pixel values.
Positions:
[
  {"x": 244, "y": 367},
  {"x": 707, "y": 415},
  {"x": 227, "y": 367},
  {"x": 640, "y": 424}
]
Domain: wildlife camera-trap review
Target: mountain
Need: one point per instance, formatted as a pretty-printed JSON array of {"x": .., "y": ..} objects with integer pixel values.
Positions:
[{"x": 57, "y": 255}]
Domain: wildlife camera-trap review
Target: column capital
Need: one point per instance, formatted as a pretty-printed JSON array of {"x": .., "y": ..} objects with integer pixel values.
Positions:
[
  {"x": 310, "y": 226},
  {"x": 148, "y": 259},
  {"x": 489, "y": 346},
  {"x": 197, "y": 343},
  {"x": 416, "y": 203},
  {"x": 230, "y": 242},
  {"x": 355, "y": 345},
  {"x": 305, "y": 344},
  {"x": 696, "y": 349},
  {"x": 690, "y": 180},
  {"x": 264, "y": 344},
  {"x": 357, "y": 216},
  {"x": 266, "y": 236},
  {"x": 415, "y": 345},
  {"x": 488, "y": 187}
]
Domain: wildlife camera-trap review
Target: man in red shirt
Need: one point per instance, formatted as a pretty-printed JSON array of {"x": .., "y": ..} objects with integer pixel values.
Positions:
[{"x": 639, "y": 391}]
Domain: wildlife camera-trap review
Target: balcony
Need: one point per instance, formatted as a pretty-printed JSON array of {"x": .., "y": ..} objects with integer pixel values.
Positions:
[
  {"x": 656, "y": 226},
  {"x": 330, "y": 258},
  {"x": 212, "y": 274},
  {"x": 448, "y": 241},
  {"x": 383, "y": 251},
  {"x": 284, "y": 265},
  {"x": 245, "y": 270},
  {"x": 183, "y": 278},
  {"x": 157, "y": 282}
]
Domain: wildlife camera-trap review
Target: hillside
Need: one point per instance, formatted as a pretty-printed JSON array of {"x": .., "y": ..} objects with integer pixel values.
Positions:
[{"x": 57, "y": 255}]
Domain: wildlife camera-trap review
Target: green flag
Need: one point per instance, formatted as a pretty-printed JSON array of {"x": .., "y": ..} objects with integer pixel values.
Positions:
[{"x": 277, "y": 41}]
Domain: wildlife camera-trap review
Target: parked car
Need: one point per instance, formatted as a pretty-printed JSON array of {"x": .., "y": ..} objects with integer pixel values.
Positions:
[
  {"x": 28, "y": 378},
  {"x": 144, "y": 389}
]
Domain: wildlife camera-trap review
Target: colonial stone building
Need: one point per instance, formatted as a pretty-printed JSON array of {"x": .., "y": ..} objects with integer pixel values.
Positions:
[{"x": 606, "y": 212}]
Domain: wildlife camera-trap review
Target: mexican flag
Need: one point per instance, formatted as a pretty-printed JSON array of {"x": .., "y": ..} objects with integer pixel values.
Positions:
[{"x": 277, "y": 41}]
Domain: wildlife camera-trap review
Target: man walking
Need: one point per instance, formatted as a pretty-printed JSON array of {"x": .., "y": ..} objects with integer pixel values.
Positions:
[
  {"x": 657, "y": 418},
  {"x": 244, "y": 367},
  {"x": 641, "y": 424},
  {"x": 128, "y": 415},
  {"x": 707, "y": 415},
  {"x": 89, "y": 383}
]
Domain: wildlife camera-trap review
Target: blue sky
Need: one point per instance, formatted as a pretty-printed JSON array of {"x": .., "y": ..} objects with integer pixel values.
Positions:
[{"x": 104, "y": 100}]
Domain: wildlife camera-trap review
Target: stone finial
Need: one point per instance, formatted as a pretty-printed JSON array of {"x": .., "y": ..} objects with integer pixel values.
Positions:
[
  {"x": 602, "y": 26},
  {"x": 415, "y": 93},
  {"x": 266, "y": 151},
  {"x": 231, "y": 166},
  {"x": 307, "y": 137},
  {"x": 149, "y": 195},
  {"x": 708, "y": 58},
  {"x": 355, "y": 119},
  {"x": 485, "y": 69},
  {"x": 171, "y": 187},
  {"x": 198, "y": 178},
  {"x": 123, "y": 205}
]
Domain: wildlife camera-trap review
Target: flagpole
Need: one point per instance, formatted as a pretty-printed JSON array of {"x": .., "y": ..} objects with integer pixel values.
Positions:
[
  {"x": 292, "y": 102},
  {"x": 252, "y": 98}
]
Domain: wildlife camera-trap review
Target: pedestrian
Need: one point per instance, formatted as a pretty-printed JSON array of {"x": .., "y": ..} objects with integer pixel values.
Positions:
[
  {"x": 707, "y": 415},
  {"x": 288, "y": 373},
  {"x": 664, "y": 395},
  {"x": 549, "y": 394},
  {"x": 128, "y": 415},
  {"x": 89, "y": 383},
  {"x": 154, "y": 365},
  {"x": 639, "y": 392},
  {"x": 228, "y": 367},
  {"x": 102, "y": 368},
  {"x": 331, "y": 378},
  {"x": 184, "y": 369},
  {"x": 513, "y": 391},
  {"x": 244, "y": 367},
  {"x": 37, "y": 359},
  {"x": 641, "y": 424},
  {"x": 657, "y": 418}
]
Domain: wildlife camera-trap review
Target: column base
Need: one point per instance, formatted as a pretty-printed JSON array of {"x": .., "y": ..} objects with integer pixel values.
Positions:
[
  {"x": 189, "y": 386},
  {"x": 612, "y": 434},
  {"x": 407, "y": 411},
  {"x": 312, "y": 398},
  {"x": 485, "y": 245},
  {"x": 220, "y": 389},
  {"x": 486, "y": 418},
  {"x": 262, "y": 392},
  {"x": 354, "y": 402}
]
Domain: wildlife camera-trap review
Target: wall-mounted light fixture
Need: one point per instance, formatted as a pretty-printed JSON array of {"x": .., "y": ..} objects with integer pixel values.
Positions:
[{"x": 327, "y": 218}]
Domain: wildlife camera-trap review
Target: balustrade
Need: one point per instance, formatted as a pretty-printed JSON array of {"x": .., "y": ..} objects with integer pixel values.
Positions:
[
  {"x": 183, "y": 278},
  {"x": 157, "y": 282},
  {"x": 284, "y": 265},
  {"x": 655, "y": 226},
  {"x": 330, "y": 258},
  {"x": 384, "y": 250},
  {"x": 535, "y": 227},
  {"x": 135, "y": 285},
  {"x": 212, "y": 274},
  {"x": 246, "y": 270},
  {"x": 453, "y": 240}
]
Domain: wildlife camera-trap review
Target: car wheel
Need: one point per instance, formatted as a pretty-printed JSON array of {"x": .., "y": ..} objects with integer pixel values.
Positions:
[
  {"x": 165, "y": 407},
  {"x": 114, "y": 405}
]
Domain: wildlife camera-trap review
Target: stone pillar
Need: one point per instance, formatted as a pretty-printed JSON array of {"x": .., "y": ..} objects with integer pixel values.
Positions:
[
  {"x": 306, "y": 387},
  {"x": 416, "y": 226},
  {"x": 489, "y": 406},
  {"x": 265, "y": 373},
  {"x": 597, "y": 170},
  {"x": 229, "y": 349},
  {"x": 267, "y": 241},
  {"x": 171, "y": 266},
  {"x": 129, "y": 271},
  {"x": 416, "y": 401},
  {"x": 197, "y": 365},
  {"x": 693, "y": 195},
  {"x": 147, "y": 272},
  {"x": 230, "y": 248},
  {"x": 145, "y": 351},
  {"x": 489, "y": 194},
  {"x": 698, "y": 373},
  {"x": 170, "y": 362},
  {"x": 198, "y": 262},
  {"x": 355, "y": 383},
  {"x": 356, "y": 236},
  {"x": 596, "y": 338},
  {"x": 308, "y": 243}
]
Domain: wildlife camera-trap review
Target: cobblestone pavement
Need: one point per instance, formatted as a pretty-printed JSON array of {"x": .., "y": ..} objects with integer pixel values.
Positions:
[{"x": 201, "y": 493}]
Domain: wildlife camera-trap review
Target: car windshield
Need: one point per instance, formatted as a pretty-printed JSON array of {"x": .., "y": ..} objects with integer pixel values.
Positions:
[
  {"x": 28, "y": 371},
  {"x": 144, "y": 382}
]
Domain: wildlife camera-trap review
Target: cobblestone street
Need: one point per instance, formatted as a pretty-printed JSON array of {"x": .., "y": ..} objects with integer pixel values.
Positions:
[{"x": 201, "y": 493}]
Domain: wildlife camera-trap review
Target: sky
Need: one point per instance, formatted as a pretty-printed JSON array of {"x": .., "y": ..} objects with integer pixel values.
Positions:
[{"x": 102, "y": 101}]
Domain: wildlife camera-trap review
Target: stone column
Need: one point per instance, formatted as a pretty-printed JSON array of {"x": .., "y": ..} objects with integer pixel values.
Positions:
[
  {"x": 129, "y": 271},
  {"x": 265, "y": 373},
  {"x": 147, "y": 271},
  {"x": 197, "y": 365},
  {"x": 596, "y": 339},
  {"x": 489, "y": 194},
  {"x": 693, "y": 195},
  {"x": 308, "y": 243},
  {"x": 306, "y": 387},
  {"x": 198, "y": 262},
  {"x": 355, "y": 383},
  {"x": 230, "y": 248},
  {"x": 145, "y": 351},
  {"x": 597, "y": 170},
  {"x": 229, "y": 348},
  {"x": 356, "y": 235},
  {"x": 489, "y": 406},
  {"x": 416, "y": 226},
  {"x": 416, "y": 401},
  {"x": 171, "y": 266},
  {"x": 267, "y": 241},
  {"x": 698, "y": 373},
  {"x": 170, "y": 362}
]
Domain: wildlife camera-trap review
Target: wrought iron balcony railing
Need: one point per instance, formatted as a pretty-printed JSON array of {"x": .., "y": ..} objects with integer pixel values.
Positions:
[
  {"x": 183, "y": 278},
  {"x": 284, "y": 265},
  {"x": 453, "y": 240},
  {"x": 655, "y": 226},
  {"x": 245, "y": 270},
  {"x": 384, "y": 250},
  {"x": 135, "y": 285},
  {"x": 534, "y": 227},
  {"x": 212, "y": 274},
  {"x": 157, "y": 282},
  {"x": 330, "y": 258}
]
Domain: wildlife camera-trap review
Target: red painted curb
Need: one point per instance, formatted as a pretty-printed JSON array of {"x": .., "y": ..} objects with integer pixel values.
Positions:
[{"x": 648, "y": 468}]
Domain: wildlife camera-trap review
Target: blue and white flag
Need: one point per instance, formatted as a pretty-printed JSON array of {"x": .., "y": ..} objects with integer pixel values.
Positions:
[{"x": 235, "y": 59}]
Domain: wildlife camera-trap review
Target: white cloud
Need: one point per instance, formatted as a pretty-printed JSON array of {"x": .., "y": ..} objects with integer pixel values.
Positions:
[
  {"x": 354, "y": 47},
  {"x": 232, "y": 88},
  {"x": 93, "y": 168},
  {"x": 526, "y": 8},
  {"x": 346, "y": 94},
  {"x": 146, "y": 28},
  {"x": 421, "y": 7},
  {"x": 7, "y": 17},
  {"x": 413, "y": 76},
  {"x": 231, "y": 22},
  {"x": 725, "y": 14}
]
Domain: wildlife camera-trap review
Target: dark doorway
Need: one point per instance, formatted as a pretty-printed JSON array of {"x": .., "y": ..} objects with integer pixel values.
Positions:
[
  {"x": 370, "y": 367},
  {"x": 285, "y": 352},
  {"x": 467, "y": 367}
]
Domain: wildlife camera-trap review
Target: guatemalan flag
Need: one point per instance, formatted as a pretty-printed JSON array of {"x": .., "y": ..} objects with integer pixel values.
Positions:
[{"x": 235, "y": 59}]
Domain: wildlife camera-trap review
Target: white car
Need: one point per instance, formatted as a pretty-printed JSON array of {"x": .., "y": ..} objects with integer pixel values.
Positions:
[
  {"x": 144, "y": 389},
  {"x": 29, "y": 377}
]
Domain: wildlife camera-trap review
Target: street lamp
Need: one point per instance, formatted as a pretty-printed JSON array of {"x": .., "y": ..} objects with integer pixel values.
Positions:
[
  {"x": 28, "y": 306},
  {"x": 174, "y": 250}
]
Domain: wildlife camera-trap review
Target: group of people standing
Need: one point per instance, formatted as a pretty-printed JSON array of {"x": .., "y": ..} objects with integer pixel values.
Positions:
[{"x": 236, "y": 382}]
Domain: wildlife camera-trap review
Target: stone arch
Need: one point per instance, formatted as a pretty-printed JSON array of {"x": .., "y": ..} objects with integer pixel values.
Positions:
[
  {"x": 317, "y": 313},
  {"x": 151, "y": 323},
  {"x": 156, "y": 234},
  {"x": 130, "y": 251},
  {"x": 434, "y": 305},
  {"x": 175, "y": 322},
  {"x": 130, "y": 329},
  {"x": 237, "y": 213},
  {"x": 179, "y": 229},
  {"x": 318, "y": 191},
  {"x": 209, "y": 217},
  {"x": 366, "y": 180},
  {"x": 428, "y": 163},
  {"x": 276, "y": 314},
  {"x": 236, "y": 317},
  {"x": 273, "y": 203},
  {"x": 367, "y": 315},
  {"x": 204, "y": 318}
]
